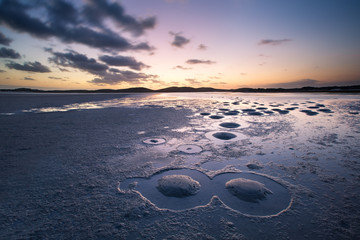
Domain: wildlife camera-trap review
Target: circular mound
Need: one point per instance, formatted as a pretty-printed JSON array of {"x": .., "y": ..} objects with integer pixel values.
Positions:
[
  {"x": 190, "y": 149},
  {"x": 229, "y": 125},
  {"x": 178, "y": 186},
  {"x": 216, "y": 117},
  {"x": 247, "y": 190},
  {"x": 224, "y": 135},
  {"x": 154, "y": 141}
]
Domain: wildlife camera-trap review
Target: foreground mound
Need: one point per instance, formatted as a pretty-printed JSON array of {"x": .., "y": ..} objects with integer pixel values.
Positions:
[
  {"x": 247, "y": 190},
  {"x": 178, "y": 186}
]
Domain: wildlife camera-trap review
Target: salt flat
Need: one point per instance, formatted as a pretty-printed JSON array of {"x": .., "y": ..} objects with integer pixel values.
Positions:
[{"x": 75, "y": 166}]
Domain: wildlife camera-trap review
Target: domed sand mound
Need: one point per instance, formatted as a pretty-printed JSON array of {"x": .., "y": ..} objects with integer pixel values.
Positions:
[
  {"x": 247, "y": 190},
  {"x": 178, "y": 186}
]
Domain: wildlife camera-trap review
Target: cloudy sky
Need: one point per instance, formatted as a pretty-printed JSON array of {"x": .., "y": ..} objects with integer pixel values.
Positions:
[{"x": 93, "y": 44}]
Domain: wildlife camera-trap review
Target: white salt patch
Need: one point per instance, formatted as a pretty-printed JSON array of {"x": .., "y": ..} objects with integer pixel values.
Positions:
[
  {"x": 247, "y": 190},
  {"x": 178, "y": 186},
  {"x": 190, "y": 148},
  {"x": 154, "y": 141}
]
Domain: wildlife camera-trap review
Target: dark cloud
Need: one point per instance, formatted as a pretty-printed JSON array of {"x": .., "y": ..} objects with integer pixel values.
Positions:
[
  {"x": 4, "y": 40},
  {"x": 9, "y": 53},
  {"x": 296, "y": 84},
  {"x": 179, "y": 41},
  {"x": 29, "y": 78},
  {"x": 62, "y": 12},
  {"x": 202, "y": 47},
  {"x": 63, "y": 21},
  {"x": 13, "y": 14},
  {"x": 274, "y": 42},
  {"x": 104, "y": 74},
  {"x": 29, "y": 67},
  {"x": 181, "y": 67},
  {"x": 98, "y": 10},
  {"x": 79, "y": 61},
  {"x": 198, "y": 61},
  {"x": 123, "y": 61}
]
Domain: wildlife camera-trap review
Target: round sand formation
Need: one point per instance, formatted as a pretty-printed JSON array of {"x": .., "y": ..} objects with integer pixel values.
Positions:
[
  {"x": 190, "y": 148},
  {"x": 154, "y": 141},
  {"x": 247, "y": 190},
  {"x": 178, "y": 186},
  {"x": 224, "y": 135},
  {"x": 229, "y": 125}
]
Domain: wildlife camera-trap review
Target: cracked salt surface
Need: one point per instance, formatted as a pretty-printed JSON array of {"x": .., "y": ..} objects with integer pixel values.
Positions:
[{"x": 57, "y": 171}]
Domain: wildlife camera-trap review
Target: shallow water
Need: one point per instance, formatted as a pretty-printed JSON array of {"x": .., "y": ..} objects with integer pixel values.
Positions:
[{"x": 63, "y": 157}]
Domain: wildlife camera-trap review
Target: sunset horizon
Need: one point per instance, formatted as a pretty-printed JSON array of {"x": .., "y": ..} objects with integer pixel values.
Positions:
[{"x": 67, "y": 45}]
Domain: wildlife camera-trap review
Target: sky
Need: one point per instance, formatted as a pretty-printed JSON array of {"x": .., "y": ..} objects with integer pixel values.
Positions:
[{"x": 228, "y": 44}]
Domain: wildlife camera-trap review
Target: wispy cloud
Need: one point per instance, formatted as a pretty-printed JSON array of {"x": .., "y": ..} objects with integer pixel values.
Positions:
[
  {"x": 199, "y": 61},
  {"x": 29, "y": 78},
  {"x": 66, "y": 22},
  {"x": 123, "y": 61},
  {"x": 9, "y": 53},
  {"x": 116, "y": 76},
  {"x": 192, "y": 81},
  {"x": 55, "y": 78},
  {"x": 181, "y": 67},
  {"x": 274, "y": 42},
  {"x": 202, "y": 47},
  {"x": 29, "y": 67},
  {"x": 179, "y": 40}
]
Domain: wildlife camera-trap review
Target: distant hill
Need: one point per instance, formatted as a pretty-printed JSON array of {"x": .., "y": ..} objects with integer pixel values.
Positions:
[
  {"x": 355, "y": 89},
  {"x": 189, "y": 89}
]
